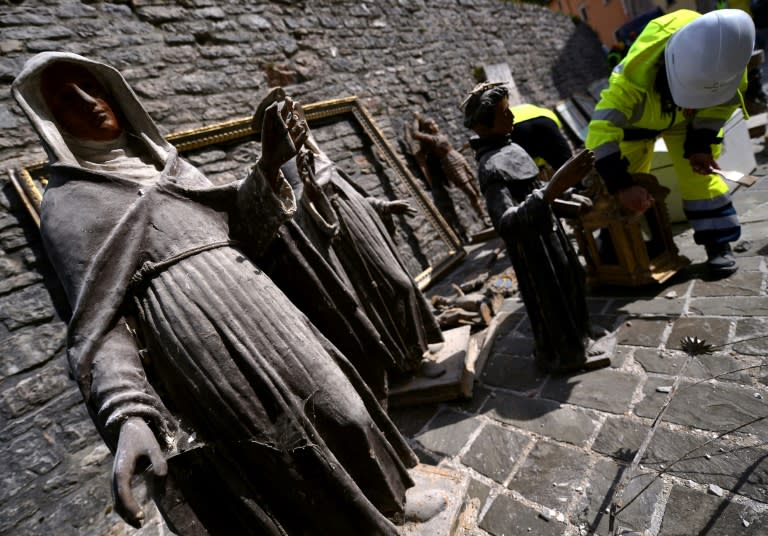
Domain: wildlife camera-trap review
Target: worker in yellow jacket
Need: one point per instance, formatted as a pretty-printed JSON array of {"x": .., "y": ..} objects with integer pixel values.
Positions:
[
  {"x": 537, "y": 130},
  {"x": 682, "y": 79}
]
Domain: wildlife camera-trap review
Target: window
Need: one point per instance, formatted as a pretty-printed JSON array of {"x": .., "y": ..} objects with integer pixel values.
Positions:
[{"x": 583, "y": 13}]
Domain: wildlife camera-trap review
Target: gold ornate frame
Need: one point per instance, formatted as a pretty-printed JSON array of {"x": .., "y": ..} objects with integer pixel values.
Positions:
[{"x": 30, "y": 181}]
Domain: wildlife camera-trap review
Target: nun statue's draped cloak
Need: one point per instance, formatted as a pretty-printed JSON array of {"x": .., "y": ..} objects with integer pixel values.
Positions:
[
  {"x": 302, "y": 263},
  {"x": 346, "y": 226},
  {"x": 549, "y": 274},
  {"x": 266, "y": 426}
]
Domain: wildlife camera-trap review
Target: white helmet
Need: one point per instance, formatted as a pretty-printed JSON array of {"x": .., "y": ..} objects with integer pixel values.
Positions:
[{"x": 706, "y": 59}]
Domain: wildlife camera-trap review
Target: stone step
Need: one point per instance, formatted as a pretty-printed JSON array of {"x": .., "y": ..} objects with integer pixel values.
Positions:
[{"x": 435, "y": 485}]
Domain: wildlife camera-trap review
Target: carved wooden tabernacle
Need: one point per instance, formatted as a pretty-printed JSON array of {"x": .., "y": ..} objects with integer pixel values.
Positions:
[{"x": 622, "y": 248}]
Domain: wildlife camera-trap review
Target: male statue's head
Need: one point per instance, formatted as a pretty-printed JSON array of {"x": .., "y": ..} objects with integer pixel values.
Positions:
[
  {"x": 486, "y": 111},
  {"x": 79, "y": 102},
  {"x": 427, "y": 124}
]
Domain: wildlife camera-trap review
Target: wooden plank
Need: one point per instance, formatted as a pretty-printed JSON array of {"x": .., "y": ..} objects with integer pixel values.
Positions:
[{"x": 572, "y": 117}]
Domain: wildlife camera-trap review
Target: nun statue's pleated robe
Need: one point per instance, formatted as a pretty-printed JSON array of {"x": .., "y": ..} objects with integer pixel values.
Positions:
[
  {"x": 266, "y": 426},
  {"x": 367, "y": 257}
]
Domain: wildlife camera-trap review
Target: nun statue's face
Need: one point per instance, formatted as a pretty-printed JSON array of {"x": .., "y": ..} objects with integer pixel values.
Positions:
[{"x": 79, "y": 102}]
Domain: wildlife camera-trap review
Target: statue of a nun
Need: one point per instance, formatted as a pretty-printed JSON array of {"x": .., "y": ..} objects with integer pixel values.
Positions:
[{"x": 188, "y": 357}]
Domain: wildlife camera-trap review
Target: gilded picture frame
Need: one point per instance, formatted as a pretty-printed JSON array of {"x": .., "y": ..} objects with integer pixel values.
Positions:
[{"x": 438, "y": 247}]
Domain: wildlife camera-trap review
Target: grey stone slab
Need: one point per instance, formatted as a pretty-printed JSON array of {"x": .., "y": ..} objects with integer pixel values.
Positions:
[
  {"x": 480, "y": 394},
  {"x": 604, "y": 389},
  {"x": 478, "y": 490},
  {"x": 13, "y": 238},
  {"x": 620, "y": 438},
  {"x": 642, "y": 332},
  {"x": 750, "y": 328},
  {"x": 750, "y": 264},
  {"x": 655, "y": 306},
  {"x": 495, "y": 451},
  {"x": 717, "y": 406},
  {"x": 693, "y": 512},
  {"x": 544, "y": 417},
  {"x": 610, "y": 322},
  {"x": 713, "y": 330},
  {"x": 511, "y": 372},
  {"x": 30, "y": 347},
  {"x": 410, "y": 420},
  {"x": 73, "y": 428},
  {"x": 677, "y": 286},
  {"x": 10, "y": 266},
  {"x": 742, "y": 283},
  {"x": 35, "y": 390},
  {"x": 662, "y": 361},
  {"x": 524, "y": 329},
  {"x": 592, "y": 506},
  {"x": 448, "y": 433},
  {"x": 596, "y": 305},
  {"x": 620, "y": 355},
  {"x": 19, "y": 281},
  {"x": 550, "y": 474},
  {"x": 755, "y": 234},
  {"x": 722, "y": 366},
  {"x": 512, "y": 343},
  {"x": 508, "y": 517},
  {"x": 723, "y": 462},
  {"x": 735, "y": 306},
  {"x": 27, "y": 306},
  {"x": 728, "y": 367},
  {"x": 425, "y": 456}
]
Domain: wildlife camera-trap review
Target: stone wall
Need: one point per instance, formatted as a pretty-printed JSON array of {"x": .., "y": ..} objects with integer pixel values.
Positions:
[{"x": 193, "y": 63}]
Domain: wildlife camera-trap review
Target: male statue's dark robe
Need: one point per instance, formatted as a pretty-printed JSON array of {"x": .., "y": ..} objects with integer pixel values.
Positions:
[{"x": 549, "y": 274}]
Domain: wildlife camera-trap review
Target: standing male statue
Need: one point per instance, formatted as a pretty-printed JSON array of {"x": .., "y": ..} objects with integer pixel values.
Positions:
[{"x": 549, "y": 274}]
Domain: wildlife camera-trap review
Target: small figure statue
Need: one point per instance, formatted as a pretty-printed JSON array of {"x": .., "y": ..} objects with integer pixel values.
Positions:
[
  {"x": 188, "y": 356},
  {"x": 455, "y": 167},
  {"x": 345, "y": 225},
  {"x": 549, "y": 274}
]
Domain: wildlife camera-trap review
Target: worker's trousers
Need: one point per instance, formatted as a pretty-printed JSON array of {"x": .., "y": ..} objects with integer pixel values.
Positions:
[{"x": 706, "y": 201}]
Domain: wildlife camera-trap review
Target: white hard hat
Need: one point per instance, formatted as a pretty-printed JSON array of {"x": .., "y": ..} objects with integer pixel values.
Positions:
[{"x": 706, "y": 59}]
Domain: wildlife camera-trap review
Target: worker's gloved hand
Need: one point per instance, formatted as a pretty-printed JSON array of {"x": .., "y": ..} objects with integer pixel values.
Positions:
[
  {"x": 635, "y": 198},
  {"x": 703, "y": 163}
]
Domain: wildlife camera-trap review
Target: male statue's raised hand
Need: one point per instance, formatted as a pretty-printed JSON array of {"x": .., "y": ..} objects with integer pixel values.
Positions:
[{"x": 283, "y": 132}]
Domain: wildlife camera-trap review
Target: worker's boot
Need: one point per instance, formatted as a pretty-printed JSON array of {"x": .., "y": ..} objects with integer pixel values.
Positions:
[{"x": 720, "y": 260}]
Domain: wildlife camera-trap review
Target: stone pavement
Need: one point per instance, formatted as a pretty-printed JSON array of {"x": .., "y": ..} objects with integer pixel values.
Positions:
[{"x": 545, "y": 453}]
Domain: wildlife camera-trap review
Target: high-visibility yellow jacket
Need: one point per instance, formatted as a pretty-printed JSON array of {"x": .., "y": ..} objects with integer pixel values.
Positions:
[
  {"x": 540, "y": 139},
  {"x": 523, "y": 112},
  {"x": 630, "y": 107}
]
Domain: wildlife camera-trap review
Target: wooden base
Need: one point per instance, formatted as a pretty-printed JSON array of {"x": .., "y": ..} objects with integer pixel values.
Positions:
[{"x": 463, "y": 358}]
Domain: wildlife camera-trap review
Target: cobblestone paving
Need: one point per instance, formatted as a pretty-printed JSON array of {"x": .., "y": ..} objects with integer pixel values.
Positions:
[{"x": 545, "y": 453}]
